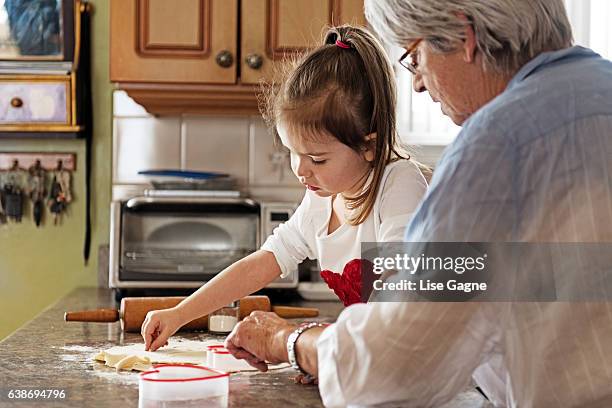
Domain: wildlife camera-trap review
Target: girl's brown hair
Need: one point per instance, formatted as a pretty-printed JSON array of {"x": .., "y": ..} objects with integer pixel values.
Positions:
[{"x": 347, "y": 93}]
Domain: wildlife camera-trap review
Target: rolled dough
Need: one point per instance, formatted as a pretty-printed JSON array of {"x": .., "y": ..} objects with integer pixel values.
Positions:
[
  {"x": 178, "y": 351},
  {"x": 134, "y": 356}
]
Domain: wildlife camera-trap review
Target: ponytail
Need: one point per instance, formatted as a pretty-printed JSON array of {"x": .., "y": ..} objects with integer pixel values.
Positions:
[{"x": 344, "y": 88}]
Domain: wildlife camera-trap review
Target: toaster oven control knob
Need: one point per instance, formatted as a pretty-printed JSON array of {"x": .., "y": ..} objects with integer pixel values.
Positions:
[
  {"x": 254, "y": 61},
  {"x": 225, "y": 59}
]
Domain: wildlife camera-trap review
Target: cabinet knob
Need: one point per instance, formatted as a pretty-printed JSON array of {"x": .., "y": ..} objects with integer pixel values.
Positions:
[
  {"x": 254, "y": 61},
  {"x": 225, "y": 59},
  {"x": 16, "y": 102}
]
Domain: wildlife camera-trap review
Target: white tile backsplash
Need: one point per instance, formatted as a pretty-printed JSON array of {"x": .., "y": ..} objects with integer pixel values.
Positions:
[
  {"x": 142, "y": 144},
  {"x": 216, "y": 144},
  {"x": 270, "y": 165},
  {"x": 240, "y": 146}
]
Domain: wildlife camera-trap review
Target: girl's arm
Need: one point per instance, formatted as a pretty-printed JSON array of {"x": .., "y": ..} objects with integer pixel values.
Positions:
[
  {"x": 236, "y": 281},
  {"x": 240, "y": 279}
]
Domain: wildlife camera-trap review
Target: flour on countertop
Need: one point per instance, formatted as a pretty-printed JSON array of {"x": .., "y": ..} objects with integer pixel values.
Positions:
[
  {"x": 82, "y": 349},
  {"x": 108, "y": 374}
]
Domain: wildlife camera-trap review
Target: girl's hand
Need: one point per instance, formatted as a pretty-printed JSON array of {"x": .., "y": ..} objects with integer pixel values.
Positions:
[{"x": 158, "y": 326}]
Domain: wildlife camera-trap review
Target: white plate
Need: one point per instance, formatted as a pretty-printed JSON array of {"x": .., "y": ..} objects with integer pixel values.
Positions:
[{"x": 316, "y": 291}]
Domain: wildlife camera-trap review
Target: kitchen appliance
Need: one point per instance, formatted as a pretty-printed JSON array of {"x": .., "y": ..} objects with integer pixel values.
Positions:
[{"x": 183, "y": 240}]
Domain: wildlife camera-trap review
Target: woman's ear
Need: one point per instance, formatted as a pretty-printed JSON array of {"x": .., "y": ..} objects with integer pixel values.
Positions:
[
  {"x": 469, "y": 44},
  {"x": 368, "y": 151}
]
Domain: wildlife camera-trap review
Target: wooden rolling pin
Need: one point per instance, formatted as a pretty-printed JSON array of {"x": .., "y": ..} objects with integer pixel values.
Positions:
[{"x": 134, "y": 310}]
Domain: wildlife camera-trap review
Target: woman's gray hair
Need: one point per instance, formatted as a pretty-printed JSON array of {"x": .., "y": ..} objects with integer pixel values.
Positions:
[{"x": 509, "y": 33}]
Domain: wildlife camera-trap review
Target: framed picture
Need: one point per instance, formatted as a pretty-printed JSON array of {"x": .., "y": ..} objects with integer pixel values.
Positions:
[{"x": 37, "y": 30}]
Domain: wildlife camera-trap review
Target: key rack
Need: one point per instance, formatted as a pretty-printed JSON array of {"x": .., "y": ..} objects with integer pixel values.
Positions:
[{"x": 48, "y": 161}]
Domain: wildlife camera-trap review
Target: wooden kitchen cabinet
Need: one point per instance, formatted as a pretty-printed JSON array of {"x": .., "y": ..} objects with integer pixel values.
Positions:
[
  {"x": 207, "y": 56},
  {"x": 177, "y": 41},
  {"x": 272, "y": 29}
]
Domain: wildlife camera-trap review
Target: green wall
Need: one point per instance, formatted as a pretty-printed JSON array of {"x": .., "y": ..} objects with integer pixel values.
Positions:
[{"x": 40, "y": 265}]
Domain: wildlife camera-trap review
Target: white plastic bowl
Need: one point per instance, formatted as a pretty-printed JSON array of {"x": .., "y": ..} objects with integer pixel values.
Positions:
[{"x": 182, "y": 385}]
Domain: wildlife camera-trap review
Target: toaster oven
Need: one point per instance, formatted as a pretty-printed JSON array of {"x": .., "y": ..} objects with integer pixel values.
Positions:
[{"x": 182, "y": 242}]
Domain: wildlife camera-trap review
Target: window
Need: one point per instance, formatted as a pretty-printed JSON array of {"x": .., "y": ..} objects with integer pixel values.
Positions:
[
  {"x": 591, "y": 24},
  {"x": 420, "y": 121}
]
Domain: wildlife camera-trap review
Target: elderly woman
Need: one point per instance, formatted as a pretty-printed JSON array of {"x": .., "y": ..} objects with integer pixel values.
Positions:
[{"x": 533, "y": 163}]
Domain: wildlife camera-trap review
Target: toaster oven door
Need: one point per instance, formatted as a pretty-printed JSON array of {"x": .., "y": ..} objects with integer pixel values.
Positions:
[{"x": 174, "y": 242}]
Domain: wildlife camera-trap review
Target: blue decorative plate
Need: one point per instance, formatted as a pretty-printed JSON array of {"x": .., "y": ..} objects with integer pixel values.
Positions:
[{"x": 184, "y": 174}]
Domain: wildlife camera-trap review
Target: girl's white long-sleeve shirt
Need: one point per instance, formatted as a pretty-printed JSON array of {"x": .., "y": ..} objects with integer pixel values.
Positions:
[{"x": 305, "y": 235}]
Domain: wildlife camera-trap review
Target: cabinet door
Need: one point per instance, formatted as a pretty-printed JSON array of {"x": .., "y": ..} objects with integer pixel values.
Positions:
[
  {"x": 272, "y": 29},
  {"x": 179, "y": 41}
]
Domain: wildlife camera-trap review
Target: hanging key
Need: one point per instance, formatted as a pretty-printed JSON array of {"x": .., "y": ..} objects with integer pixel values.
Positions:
[
  {"x": 37, "y": 190},
  {"x": 2, "y": 203},
  {"x": 13, "y": 193},
  {"x": 59, "y": 193}
]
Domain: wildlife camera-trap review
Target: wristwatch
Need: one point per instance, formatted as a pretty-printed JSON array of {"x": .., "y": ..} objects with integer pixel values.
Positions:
[{"x": 292, "y": 339}]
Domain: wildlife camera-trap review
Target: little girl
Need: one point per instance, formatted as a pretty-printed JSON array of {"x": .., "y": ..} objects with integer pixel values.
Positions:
[{"x": 335, "y": 112}]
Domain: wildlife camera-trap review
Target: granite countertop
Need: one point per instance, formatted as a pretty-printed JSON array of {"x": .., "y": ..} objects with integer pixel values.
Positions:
[{"x": 48, "y": 353}]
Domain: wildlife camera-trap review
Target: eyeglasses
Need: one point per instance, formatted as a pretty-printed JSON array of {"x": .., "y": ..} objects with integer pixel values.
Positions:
[{"x": 408, "y": 59}]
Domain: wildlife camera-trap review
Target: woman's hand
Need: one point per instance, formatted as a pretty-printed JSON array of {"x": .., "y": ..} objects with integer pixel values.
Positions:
[
  {"x": 259, "y": 339},
  {"x": 158, "y": 326}
]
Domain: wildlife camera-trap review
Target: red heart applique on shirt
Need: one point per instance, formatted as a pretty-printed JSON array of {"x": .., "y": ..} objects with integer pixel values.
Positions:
[{"x": 348, "y": 284}]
